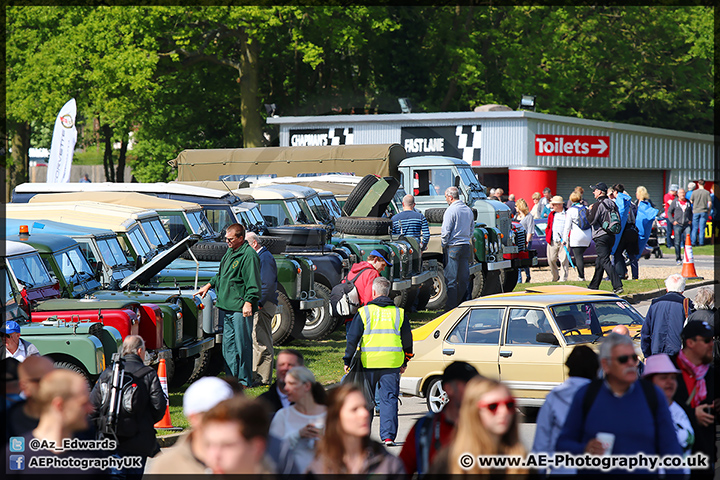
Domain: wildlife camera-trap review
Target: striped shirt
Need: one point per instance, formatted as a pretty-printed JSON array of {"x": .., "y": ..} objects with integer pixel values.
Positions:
[{"x": 412, "y": 224}]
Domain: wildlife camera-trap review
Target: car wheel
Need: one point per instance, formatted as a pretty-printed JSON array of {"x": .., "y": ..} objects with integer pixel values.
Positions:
[
  {"x": 358, "y": 193},
  {"x": 478, "y": 282},
  {"x": 206, "y": 251},
  {"x": 319, "y": 322},
  {"x": 492, "y": 283},
  {"x": 509, "y": 279},
  {"x": 438, "y": 295},
  {"x": 275, "y": 245},
  {"x": 367, "y": 226},
  {"x": 435, "y": 396},
  {"x": 74, "y": 368},
  {"x": 283, "y": 322},
  {"x": 435, "y": 215}
]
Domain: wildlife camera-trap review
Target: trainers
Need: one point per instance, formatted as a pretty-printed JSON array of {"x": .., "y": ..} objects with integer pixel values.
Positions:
[
  {"x": 389, "y": 443},
  {"x": 678, "y": 262},
  {"x": 618, "y": 291}
]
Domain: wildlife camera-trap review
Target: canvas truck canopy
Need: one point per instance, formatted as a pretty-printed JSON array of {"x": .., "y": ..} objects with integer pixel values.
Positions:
[
  {"x": 130, "y": 199},
  {"x": 213, "y": 164}
]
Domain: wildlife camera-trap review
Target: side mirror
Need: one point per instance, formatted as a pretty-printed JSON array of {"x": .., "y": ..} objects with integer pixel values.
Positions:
[
  {"x": 457, "y": 180},
  {"x": 547, "y": 337},
  {"x": 98, "y": 270}
]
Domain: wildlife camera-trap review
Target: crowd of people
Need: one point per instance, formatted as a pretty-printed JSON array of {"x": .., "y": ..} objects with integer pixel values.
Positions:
[{"x": 570, "y": 229}]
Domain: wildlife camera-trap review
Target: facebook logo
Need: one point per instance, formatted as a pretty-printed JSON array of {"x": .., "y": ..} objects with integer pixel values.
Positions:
[
  {"x": 17, "y": 444},
  {"x": 17, "y": 462}
]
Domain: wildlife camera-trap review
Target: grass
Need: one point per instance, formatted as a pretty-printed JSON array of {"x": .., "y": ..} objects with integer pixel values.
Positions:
[
  {"x": 324, "y": 357},
  {"x": 89, "y": 157},
  {"x": 704, "y": 250},
  {"x": 630, "y": 286}
]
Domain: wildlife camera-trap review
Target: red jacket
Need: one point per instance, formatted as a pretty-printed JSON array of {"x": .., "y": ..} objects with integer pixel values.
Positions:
[
  {"x": 364, "y": 281},
  {"x": 548, "y": 229}
]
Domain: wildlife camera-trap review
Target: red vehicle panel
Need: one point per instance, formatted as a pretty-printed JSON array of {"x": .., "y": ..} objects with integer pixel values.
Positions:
[
  {"x": 151, "y": 326},
  {"x": 125, "y": 320}
]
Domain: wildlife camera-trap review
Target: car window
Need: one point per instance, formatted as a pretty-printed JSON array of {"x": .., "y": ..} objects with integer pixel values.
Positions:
[
  {"x": 30, "y": 271},
  {"x": 524, "y": 325},
  {"x": 478, "y": 326},
  {"x": 220, "y": 219}
]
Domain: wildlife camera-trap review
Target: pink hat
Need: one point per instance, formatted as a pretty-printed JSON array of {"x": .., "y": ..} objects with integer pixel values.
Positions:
[{"x": 659, "y": 363}]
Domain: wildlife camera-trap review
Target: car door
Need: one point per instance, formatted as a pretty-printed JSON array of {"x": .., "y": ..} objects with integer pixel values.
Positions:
[
  {"x": 528, "y": 367},
  {"x": 475, "y": 339}
]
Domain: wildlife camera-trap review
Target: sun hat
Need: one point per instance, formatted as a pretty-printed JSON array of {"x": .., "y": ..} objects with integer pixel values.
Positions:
[
  {"x": 659, "y": 363},
  {"x": 204, "y": 394}
]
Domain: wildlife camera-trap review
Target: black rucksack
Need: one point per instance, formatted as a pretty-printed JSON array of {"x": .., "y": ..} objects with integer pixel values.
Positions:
[
  {"x": 123, "y": 399},
  {"x": 611, "y": 218},
  {"x": 344, "y": 297}
]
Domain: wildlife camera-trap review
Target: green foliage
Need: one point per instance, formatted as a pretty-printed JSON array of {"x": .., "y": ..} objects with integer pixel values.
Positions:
[{"x": 197, "y": 76}]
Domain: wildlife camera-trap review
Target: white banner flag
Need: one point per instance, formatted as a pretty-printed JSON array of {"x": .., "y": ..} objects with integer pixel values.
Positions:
[{"x": 63, "y": 144}]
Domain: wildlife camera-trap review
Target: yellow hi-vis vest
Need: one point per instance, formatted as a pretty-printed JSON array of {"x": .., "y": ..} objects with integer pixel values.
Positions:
[{"x": 381, "y": 345}]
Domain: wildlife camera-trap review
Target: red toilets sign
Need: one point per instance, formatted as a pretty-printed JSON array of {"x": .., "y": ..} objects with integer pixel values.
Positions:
[{"x": 572, "y": 145}]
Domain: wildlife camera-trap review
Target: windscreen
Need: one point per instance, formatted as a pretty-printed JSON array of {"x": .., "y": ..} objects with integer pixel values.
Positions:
[
  {"x": 317, "y": 209},
  {"x": 157, "y": 235},
  {"x": 30, "y": 271},
  {"x": 578, "y": 321},
  {"x": 139, "y": 242},
  {"x": 199, "y": 223},
  {"x": 112, "y": 253}
]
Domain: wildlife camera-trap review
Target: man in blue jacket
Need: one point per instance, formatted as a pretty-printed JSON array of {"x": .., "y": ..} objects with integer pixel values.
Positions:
[
  {"x": 634, "y": 411},
  {"x": 665, "y": 319},
  {"x": 262, "y": 319}
]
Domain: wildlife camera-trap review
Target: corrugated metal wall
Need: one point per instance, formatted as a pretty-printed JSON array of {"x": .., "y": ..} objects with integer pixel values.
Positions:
[
  {"x": 568, "y": 179},
  {"x": 508, "y": 141}
]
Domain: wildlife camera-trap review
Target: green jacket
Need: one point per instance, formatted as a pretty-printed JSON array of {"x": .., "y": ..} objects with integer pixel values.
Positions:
[{"x": 238, "y": 279}]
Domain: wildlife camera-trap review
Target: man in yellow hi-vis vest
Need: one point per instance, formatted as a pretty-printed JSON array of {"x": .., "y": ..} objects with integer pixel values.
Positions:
[{"x": 382, "y": 335}]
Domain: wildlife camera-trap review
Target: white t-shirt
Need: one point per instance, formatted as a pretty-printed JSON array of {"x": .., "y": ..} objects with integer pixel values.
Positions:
[
  {"x": 558, "y": 226},
  {"x": 286, "y": 425}
]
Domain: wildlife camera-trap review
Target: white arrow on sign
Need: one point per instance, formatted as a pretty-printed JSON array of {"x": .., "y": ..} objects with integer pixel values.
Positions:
[{"x": 602, "y": 146}]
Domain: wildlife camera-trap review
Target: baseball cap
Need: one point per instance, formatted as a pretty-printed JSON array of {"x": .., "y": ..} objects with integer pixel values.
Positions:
[
  {"x": 695, "y": 328},
  {"x": 11, "y": 326},
  {"x": 674, "y": 187},
  {"x": 382, "y": 254},
  {"x": 557, "y": 199},
  {"x": 462, "y": 371},
  {"x": 600, "y": 186},
  {"x": 204, "y": 394},
  {"x": 659, "y": 363}
]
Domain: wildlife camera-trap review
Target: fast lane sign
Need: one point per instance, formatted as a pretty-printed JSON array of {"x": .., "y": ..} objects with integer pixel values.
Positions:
[{"x": 572, "y": 145}]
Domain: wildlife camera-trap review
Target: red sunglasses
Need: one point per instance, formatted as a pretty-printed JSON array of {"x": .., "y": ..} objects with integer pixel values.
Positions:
[{"x": 493, "y": 407}]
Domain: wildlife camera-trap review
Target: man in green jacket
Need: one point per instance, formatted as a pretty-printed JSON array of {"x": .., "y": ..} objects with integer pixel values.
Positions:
[{"x": 237, "y": 284}]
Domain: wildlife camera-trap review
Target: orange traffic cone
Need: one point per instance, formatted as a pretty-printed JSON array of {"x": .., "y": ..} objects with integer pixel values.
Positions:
[
  {"x": 165, "y": 423},
  {"x": 688, "y": 268}
]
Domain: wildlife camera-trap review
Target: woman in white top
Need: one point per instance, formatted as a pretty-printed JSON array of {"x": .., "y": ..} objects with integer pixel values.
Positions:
[
  {"x": 303, "y": 422},
  {"x": 575, "y": 237},
  {"x": 536, "y": 210}
]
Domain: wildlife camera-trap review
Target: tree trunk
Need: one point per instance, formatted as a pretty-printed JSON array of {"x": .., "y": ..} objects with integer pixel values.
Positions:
[
  {"x": 107, "y": 156},
  {"x": 18, "y": 164},
  {"x": 121, "y": 160},
  {"x": 249, "y": 101}
]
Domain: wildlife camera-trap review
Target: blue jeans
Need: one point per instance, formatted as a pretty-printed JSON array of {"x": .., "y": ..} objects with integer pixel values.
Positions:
[
  {"x": 668, "y": 234},
  {"x": 697, "y": 237},
  {"x": 457, "y": 274},
  {"x": 680, "y": 232},
  {"x": 387, "y": 383},
  {"x": 237, "y": 345}
]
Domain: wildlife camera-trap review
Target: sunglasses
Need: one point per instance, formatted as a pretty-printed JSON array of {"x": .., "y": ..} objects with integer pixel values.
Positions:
[
  {"x": 624, "y": 358},
  {"x": 493, "y": 407},
  {"x": 230, "y": 239},
  {"x": 704, "y": 339}
]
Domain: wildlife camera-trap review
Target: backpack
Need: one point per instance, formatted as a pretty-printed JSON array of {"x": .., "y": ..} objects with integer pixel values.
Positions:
[
  {"x": 582, "y": 217},
  {"x": 119, "y": 418},
  {"x": 611, "y": 218},
  {"x": 647, "y": 387},
  {"x": 344, "y": 297}
]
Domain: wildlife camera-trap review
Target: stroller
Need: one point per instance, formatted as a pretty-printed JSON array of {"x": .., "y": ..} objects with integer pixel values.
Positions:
[{"x": 657, "y": 236}]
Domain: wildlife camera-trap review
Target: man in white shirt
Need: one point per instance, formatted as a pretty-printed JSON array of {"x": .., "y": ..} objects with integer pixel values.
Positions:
[
  {"x": 554, "y": 235},
  {"x": 16, "y": 347}
]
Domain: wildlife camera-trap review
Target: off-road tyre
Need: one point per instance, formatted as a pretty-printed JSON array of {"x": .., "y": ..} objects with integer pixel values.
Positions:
[
  {"x": 74, "y": 368},
  {"x": 319, "y": 322},
  {"x": 283, "y": 323},
  {"x": 435, "y": 215},
  {"x": 358, "y": 193},
  {"x": 275, "y": 245},
  {"x": 492, "y": 283},
  {"x": 478, "y": 281},
  {"x": 300, "y": 236},
  {"x": 206, "y": 251},
  {"x": 509, "y": 279},
  {"x": 438, "y": 295},
  {"x": 368, "y": 226}
]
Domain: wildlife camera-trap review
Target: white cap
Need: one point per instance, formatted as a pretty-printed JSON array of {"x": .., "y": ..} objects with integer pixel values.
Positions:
[{"x": 204, "y": 394}]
